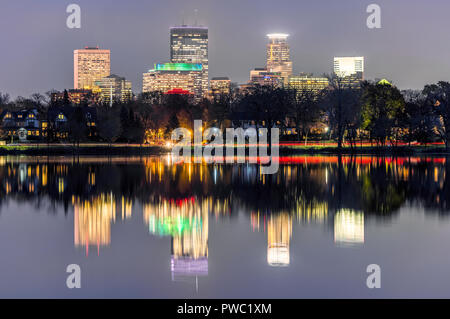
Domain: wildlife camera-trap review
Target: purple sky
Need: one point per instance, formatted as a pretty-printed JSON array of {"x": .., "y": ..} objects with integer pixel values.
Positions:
[{"x": 36, "y": 55}]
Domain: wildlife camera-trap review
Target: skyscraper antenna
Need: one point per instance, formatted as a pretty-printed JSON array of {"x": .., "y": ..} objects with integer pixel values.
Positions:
[
  {"x": 195, "y": 15},
  {"x": 182, "y": 17}
]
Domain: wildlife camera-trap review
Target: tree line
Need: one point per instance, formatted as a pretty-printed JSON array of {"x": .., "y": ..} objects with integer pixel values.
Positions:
[{"x": 372, "y": 111}]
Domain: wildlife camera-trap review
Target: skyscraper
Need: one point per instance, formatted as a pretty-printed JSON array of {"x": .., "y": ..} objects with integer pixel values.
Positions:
[
  {"x": 189, "y": 44},
  {"x": 278, "y": 55},
  {"x": 349, "y": 67},
  {"x": 90, "y": 65}
]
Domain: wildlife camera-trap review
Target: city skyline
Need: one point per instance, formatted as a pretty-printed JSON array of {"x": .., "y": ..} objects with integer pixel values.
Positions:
[{"x": 315, "y": 38}]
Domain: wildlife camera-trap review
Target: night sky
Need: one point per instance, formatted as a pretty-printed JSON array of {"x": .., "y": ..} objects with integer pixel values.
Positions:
[{"x": 411, "y": 49}]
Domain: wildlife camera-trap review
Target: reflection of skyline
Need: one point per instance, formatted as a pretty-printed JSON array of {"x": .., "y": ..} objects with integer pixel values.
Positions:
[{"x": 342, "y": 194}]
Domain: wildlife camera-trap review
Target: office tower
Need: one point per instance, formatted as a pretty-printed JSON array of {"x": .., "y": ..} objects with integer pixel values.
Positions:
[
  {"x": 189, "y": 44},
  {"x": 114, "y": 88},
  {"x": 278, "y": 56},
  {"x": 166, "y": 77},
  {"x": 349, "y": 67},
  {"x": 261, "y": 76},
  {"x": 307, "y": 82},
  {"x": 220, "y": 86},
  {"x": 90, "y": 65}
]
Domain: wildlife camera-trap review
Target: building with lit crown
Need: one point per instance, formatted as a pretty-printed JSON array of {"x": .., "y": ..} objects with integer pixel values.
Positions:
[
  {"x": 167, "y": 77},
  {"x": 90, "y": 65},
  {"x": 189, "y": 44}
]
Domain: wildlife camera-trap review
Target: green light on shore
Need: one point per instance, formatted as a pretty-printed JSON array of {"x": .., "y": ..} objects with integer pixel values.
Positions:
[{"x": 178, "y": 67}]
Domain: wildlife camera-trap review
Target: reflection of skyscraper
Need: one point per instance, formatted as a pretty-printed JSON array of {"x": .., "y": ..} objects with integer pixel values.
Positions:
[
  {"x": 278, "y": 55},
  {"x": 186, "y": 221},
  {"x": 349, "y": 227},
  {"x": 189, "y": 44},
  {"x": 93, "y": 219},
  {"x": 279, "y": 232}
]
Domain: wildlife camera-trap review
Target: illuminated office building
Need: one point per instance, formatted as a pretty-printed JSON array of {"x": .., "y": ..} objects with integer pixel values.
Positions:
[
  {"x": 278, "y": 56},
  {"x": 307, "y": 83},
  {"x": 189, "y": 44},
  {"x": 75, "y": 96},
  {"x": 167, "y": 77},
  {"x": 220, "y": 86},
  {"x": 261, "y": 76},
  {"x": 90, "y": 65},
  {"x": 349, "y": 67},
  {"x": 114, "y": 88}
]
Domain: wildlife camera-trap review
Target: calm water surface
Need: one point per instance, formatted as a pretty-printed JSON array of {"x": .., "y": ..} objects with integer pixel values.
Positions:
[{"x": 147, "y": 228}]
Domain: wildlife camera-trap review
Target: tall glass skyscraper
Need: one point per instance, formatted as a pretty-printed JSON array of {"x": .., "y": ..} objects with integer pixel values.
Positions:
[
  {"x": 189, "y": 44},
  {"x": 278, "y": 55}
]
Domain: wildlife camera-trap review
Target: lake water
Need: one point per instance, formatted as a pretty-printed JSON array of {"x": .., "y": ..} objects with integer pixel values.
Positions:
[{"x": 147, "y": 228}]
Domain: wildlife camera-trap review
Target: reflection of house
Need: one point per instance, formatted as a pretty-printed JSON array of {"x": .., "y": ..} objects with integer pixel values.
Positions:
[
  {"x": 349, "y": 227},
  {"x": 28, "y": 120},
  {"x": 279, "y": 232}
]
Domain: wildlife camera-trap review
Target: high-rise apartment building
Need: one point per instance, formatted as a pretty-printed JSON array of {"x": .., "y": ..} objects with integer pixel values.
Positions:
[
  {"x": 90, "y": 65},
  {"x": 349, "y": 67},
  {"x": 189, "y": 44},
  {"x": 114, "y": 88},
  {"x": 167, "y": 77},
  {"x": 278, "y": 55}
]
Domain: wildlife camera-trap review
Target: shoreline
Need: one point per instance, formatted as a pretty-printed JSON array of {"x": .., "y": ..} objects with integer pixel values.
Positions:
[{"x": 124, "y": 149}]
